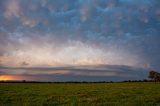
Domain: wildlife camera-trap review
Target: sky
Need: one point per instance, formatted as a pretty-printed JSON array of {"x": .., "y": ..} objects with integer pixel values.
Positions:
[{"x": 79, "y": 40}]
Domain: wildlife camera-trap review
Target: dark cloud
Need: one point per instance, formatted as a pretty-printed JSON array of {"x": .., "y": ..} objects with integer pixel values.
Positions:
[{"x": 107, "y": 72}]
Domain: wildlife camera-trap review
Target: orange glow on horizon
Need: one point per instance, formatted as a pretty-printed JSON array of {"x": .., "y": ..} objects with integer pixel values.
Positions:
[
  {"x": 10, "y": 77},
  {"x": 3, "y": 78}
]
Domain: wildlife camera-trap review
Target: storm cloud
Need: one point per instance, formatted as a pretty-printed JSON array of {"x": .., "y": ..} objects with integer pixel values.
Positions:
[{"x": 52, "y": 33}]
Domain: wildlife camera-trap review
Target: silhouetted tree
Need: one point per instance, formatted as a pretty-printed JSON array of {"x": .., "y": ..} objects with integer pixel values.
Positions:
[{"x": 154, "y": 75}]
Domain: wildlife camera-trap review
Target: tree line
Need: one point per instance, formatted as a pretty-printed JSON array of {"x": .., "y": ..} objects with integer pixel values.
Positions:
[{"x": 155, "y": 76}]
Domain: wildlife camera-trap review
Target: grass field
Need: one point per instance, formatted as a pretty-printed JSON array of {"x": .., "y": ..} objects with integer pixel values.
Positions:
[{"x": 82, "y": 94}]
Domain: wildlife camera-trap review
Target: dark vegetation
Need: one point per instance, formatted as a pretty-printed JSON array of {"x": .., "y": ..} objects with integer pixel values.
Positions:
[
  {"x": 155, "y": 76},
  {"x": 24, "y": 81}
]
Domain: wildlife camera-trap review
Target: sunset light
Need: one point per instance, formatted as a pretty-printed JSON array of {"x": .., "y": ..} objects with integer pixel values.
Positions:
[{"x": 7, "y": 77}]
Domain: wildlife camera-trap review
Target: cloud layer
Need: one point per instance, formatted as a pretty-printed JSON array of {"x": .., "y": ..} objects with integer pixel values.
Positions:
[
  {"x": 51, "y": 33},
  {"x": 77, "y": 73}
]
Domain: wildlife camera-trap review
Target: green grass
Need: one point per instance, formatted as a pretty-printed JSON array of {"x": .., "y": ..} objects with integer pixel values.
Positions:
[{"x": 82, "y": 94}]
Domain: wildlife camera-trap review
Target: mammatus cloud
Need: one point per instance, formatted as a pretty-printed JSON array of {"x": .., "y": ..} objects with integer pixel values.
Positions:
[
  {"x": 12, "y": 9},
  {"x": 61, "y": 33}
]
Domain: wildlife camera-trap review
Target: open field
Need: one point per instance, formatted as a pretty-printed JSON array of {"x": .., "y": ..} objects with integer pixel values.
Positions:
[{"x": 81, "y": 94}]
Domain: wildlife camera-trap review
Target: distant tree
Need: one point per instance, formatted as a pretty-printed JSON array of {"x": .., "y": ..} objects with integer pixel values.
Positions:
[
  {"x": 154, "y": 75},
  {"x": 145, "y": 80},
  {"x": 24, "y": 81}
]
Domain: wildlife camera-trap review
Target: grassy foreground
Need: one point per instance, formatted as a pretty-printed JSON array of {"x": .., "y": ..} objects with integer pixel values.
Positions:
[{"x": 82, "y": 94}]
